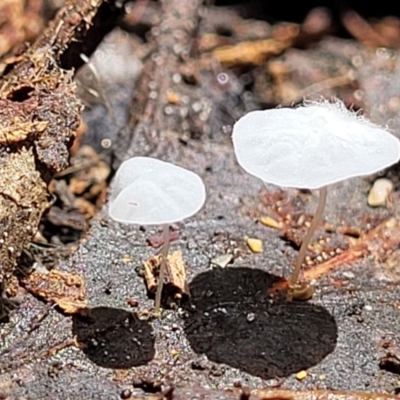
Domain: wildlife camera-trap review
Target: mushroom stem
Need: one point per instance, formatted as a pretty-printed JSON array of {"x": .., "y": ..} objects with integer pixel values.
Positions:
[
  {"x": 303, "y": 249},
  {"x": 163, "y": 265}
]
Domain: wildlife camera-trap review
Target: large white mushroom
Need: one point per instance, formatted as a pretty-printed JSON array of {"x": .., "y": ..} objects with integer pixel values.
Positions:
[
  {"x": 148, "y": 191},
  {"x": 311, "y": 147}
]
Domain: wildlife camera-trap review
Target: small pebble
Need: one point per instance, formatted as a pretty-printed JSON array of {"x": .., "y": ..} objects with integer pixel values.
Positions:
[
  {"x": 348, "y": 275},
  {"x": 175, "y": 327},
  {"x": 255, "y": 245},
  {"x": 222, "y": 260},
  {"x": 379, "y": 193},
  {"x": 126, "y": 258},
  {"x": 174, "y": 353},
  {"x": 126, "y": 394},
  {"x": 301, "y": 375},
  {"x": 270, "y": 222},
  {"x": 173, "y": 98},
  {"x": 251, "y": 317}
]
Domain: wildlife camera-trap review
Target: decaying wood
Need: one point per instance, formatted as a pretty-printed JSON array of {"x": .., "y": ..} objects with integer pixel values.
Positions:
[
  {"x": 39, "y": 114},
  {"x": 65, "y": 289},
  {"x": 175, "y": 274},
  {"x": 380, "y": 242},
  {"x": 251, "y": 53},
  {"x": 284, "y": 394},
  {"x": 267, "y": 394}
]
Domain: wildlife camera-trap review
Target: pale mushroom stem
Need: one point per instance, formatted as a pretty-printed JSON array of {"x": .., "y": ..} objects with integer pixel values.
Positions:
[
  {"x": 163, "y": 266},
  {"x": 303, "y": 249}
]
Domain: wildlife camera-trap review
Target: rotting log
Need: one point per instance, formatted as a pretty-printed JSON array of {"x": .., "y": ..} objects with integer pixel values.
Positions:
[{"x": 39, "y": 115}]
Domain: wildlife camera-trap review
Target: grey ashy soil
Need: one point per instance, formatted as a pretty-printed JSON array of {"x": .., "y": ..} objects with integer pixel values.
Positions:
[{"x": 230, "y": 332}]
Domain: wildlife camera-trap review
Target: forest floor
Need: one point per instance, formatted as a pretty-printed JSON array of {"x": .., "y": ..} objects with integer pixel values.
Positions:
[{"x": 228, "y": 335}]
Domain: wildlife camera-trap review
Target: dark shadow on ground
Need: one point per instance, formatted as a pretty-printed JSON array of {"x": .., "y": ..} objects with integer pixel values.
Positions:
[
  {"x": 233, "y": 321},
  {"x": 114, "y": 338}
]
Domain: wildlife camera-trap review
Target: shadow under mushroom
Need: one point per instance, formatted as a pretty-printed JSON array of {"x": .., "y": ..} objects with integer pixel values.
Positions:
[
  {"x": 114, "y": 338},
  {"x": 233, "y": 321}
]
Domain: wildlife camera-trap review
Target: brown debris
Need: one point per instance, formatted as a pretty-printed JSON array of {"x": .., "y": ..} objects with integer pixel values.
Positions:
[
  {"x": 132, "y": 302},
  {"x": 39, "y": 115},
  {"x": 65, "y": 289},
  {"x": 267, "y": 394},
  {"x": 307, "y": 73},
  {"x": 390, "y": 362},
  {"x": 72, "y": 219},
  {"x": 90, "y": 173},
  {"x": 283, "y": 394},
  {"x": 20, "y": 22},
  {"x": 177, "y": 96},
  {"x": 380, "y": 242},
  {"x": 288, "y": 215},
  {"x": 79, "y": 191},
  {"x": 55, "y": 349},
  {"x": 384, "y": 33},
  {"x": 250, "y": 53},
  {"x": 157, "y": 240},
  {"x": 317, "y": 24},
  {"x": 333, "y": 247},
  {"x": 175, "y": 274}
]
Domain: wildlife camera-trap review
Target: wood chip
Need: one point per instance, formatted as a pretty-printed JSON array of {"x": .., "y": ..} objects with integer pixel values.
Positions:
[
  {"x": 251, "y": 52},
  {"x": 301, "y": 375},
  {"x": 175, "y": 274},
  {"x": 126, "y": 259},
  {"x": 66, "y": 289},
  {"x": 255, "y": 245},
  {"x": 173, "y": 98},
  {"x": 380, "y": 192},
  {"x": 270, "y": 222}
]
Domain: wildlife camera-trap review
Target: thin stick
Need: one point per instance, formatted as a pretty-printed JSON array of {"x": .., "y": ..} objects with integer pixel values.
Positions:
[
  {"x": 303, "y": 249},
  {"x": 163, "y": 265}
]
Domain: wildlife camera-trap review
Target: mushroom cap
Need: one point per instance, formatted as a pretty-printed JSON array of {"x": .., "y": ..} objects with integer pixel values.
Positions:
[
  {"x": 148, "y": 191},
  {"x": 311, "y": 146}
]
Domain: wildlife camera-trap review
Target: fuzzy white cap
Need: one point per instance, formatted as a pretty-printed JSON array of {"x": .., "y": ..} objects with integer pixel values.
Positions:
[
  {"x": 312, "y": 146},
  {"x": 148, "y": 191}
]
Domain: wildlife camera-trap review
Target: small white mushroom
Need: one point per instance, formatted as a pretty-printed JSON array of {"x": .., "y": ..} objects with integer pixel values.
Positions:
[
  {"x": 148, "y": 191},
  {"x": 311, "y": 147},
  {"x": 380, "y": 192}
]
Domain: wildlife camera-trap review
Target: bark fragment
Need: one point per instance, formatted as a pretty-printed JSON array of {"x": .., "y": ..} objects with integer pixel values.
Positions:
[
  {"x": 175, "y": 274},
  {"x": 65, "y": 289},
  {"x": 39, "y": 115}
]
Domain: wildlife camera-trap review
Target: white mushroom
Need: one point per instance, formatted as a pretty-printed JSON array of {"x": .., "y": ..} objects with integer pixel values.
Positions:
[
  {"x": 311, "y": 147},
  {"x": 148, "y": 191}
]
